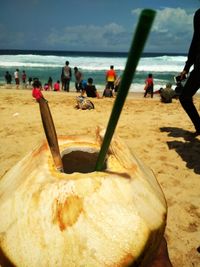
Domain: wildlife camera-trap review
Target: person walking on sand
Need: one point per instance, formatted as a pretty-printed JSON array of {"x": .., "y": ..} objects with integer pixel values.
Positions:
[
  {"x": 149, "y": 84},
  {"x": 66, "y": 76},
  {"x": 16, "y": 75},
  {"x": 193, "y": 82},
  {"x": 110, "y": 77}
]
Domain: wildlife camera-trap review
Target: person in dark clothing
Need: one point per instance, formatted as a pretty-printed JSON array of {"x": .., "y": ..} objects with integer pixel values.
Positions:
[
  {"x": 30, "y": 80},
  {"x": 193, "y": 82},
  {"x": 8, "y": 77},
  {"x": 90, "y": 89}
]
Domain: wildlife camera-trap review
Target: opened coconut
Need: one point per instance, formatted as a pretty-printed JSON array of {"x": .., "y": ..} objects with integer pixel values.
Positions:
[{"x": 80, "y": 217}]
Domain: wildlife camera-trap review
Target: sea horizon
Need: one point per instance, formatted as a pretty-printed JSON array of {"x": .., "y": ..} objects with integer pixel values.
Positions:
[{"x": 75, "y": 52}]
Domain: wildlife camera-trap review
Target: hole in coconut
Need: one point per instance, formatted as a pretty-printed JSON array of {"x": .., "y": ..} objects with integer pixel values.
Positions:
[{"x": 79, "y": 161}]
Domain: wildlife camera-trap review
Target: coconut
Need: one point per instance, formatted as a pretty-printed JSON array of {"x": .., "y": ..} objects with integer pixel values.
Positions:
[{"x": 81, "y": 217}]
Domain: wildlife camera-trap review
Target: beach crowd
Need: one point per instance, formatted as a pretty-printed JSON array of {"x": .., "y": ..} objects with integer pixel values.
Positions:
[
  {"x": 81, "y": 85},
  {"x": 86, "y": 86}
]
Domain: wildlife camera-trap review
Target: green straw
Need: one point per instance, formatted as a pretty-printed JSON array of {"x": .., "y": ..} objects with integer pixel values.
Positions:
[{"x": 143, "y": 28}]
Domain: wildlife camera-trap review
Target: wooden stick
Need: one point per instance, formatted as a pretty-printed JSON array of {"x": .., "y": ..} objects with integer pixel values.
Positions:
[{"x": 50, "y": 132}]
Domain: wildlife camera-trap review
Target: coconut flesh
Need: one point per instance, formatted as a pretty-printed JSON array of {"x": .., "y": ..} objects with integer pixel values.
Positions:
[{"x": 81, "y": 217}]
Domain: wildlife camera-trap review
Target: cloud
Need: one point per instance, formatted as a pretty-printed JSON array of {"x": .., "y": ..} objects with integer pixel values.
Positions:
[
  {"x": 171, "y": 31},
  {"x": 173, "y": 20},
  {"x": 110, "y": 36}
]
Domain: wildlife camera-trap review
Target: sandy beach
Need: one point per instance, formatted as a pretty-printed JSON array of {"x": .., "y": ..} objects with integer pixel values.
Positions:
[{"x": 156, "y": 133}]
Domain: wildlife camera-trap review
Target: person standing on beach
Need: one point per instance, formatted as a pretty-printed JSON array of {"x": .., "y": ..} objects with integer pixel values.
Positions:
[
  {"x": 117, "y": 84},
  {"x": 78, "y": 79},
  {"x": 149, "y": 85},
  {"x": 193, "y": 82},
  {"x": 111, "y": 77},
  {"x": 30, "y": 81},
  {"x": 8, "y": 77},
  {"x": 24, "y": 76},
  {"x": 16, "y": 75},
  {"x": 66, "y": 76}
]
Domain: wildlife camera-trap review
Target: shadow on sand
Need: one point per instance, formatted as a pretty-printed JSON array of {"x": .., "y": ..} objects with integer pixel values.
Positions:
[{"x": 189, "y": 149}]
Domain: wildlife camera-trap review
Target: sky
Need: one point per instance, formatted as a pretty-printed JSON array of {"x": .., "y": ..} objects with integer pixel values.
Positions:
[{"x": 94, "y": 25}]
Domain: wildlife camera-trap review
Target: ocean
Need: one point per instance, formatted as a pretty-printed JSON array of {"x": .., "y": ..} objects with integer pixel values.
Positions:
[{"x": 43, "y": 64}]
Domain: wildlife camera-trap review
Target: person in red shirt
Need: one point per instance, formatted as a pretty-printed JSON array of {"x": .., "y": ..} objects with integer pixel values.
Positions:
[
  {"x": 56, "y": 86},
  {"x": 36, "y": 92},
  {"x": 149, "y": 85},
  {"x": 110, "y": 78}
]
